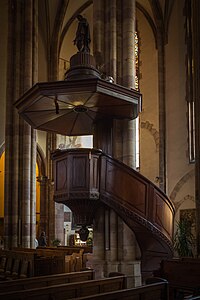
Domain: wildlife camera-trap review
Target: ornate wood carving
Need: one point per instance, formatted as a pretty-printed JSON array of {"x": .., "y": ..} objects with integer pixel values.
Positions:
[{"x": 83, "y": 177}]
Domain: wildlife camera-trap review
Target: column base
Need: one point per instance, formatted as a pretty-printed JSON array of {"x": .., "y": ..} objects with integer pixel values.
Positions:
[
  {"x": 102, "y": 269},
  {"x": 133, "y": 271}
]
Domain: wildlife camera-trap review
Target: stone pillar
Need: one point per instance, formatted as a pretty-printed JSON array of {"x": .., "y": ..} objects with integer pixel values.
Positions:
[
  {"x": 59, "y": 228},
  {"x": 128, "y": 79},
  {"x": 51, "y": 146},
  {"x": 55, "y": 210},
  {"x": 162, "y": 110},
  {"x": 33, "y": 132},
  {"x": 98, "y": 31},
  {"x": 113, "y": 236},
  {"x": 19, "y": 139},
  {"x": 11, "y": 133},
  {"x": 111, "y": 241},
  {"x": 129, "y": 263},
  {"x": 28, "y": 136},
  {"x": 196, "y": 93},
  {"x": 33, "y": 190},
  {"x": 114, "y": 27},
  {"x": 115, "y": 22},
  {"x": 43, "y": 226},
  {"x": 113, "y": 39},
  {"x": 97, "y": 259}
]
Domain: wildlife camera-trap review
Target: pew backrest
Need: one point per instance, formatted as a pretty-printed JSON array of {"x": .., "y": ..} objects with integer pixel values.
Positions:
[
  {"x": 181, "y": 272},
  {"x": 155, "y": 291},
  {"x": 68, "y": 290},
  {"x": 44, "y": 281},
  {"x": 18, "y": 264}
]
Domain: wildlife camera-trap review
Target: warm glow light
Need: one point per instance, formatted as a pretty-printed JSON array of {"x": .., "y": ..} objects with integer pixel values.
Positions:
[{"x": 78, "y": 103}]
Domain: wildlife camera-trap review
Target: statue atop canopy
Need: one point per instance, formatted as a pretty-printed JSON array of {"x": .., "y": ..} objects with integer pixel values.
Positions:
[{"x": 82, "y": 39}]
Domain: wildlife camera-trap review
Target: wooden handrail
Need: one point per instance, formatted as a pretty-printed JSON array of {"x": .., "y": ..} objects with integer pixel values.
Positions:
[{"x": 89, "y": 174}]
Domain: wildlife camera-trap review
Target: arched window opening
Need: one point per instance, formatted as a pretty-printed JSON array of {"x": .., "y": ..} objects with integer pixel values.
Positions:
[
  {"x": 189, "y": 82},
  {"x": 66, "y": 142},
  {"x": 137, "y": 88},
  {"x": 2, "y": 162}
]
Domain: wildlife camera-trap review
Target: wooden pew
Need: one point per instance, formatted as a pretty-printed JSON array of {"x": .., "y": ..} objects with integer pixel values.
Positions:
[
  {"x": 74, "y": 256},
  {"x": 73, "y": 259},
  {"x": 155, "y": 291},
  {"x": 49, "y": 265},
  {"x": 44, "y": 281},
  {"x": 3, "y": 260},
  {"x": 27, "y": 263},
  {"x": 18, "y": 264},
  {"x": 183, "y": 276},
  {"x": 86, "y": 249},
  {"x": 68, "y": 290}
]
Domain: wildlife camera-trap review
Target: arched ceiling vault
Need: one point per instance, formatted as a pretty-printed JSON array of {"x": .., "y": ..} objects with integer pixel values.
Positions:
[
  {"x": 60, "y": 15},
  {"x": 161, "y": 11},
  {"x": 55, "y": 18}
]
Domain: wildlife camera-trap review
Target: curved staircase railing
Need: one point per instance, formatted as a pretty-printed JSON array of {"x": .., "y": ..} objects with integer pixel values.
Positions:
[
  {"x": 85, "y": 176},
  {"x": 142, "y": 206}
]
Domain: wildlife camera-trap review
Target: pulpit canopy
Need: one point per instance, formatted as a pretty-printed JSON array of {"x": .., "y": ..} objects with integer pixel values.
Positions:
[{"x": 71, "y": 107}]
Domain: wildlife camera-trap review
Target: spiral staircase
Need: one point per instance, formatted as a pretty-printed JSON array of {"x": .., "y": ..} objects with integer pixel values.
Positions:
[{"x": 86, "y": 178}]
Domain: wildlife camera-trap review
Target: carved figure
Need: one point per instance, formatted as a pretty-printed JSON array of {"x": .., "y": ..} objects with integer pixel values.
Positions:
[
  {"x": 83, "y": 232},
  {"x": 42, "y": 239},
  {"x": 82, "y": 39}
]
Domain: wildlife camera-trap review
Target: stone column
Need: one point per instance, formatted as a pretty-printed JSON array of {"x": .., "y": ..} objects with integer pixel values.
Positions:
[
  {"x": 128, "y": 265},
  {"x": 43, "y": 226},
  {"x": 11, "y": 135},
  {"x": 196, "y": 93},
  {"x": 98, "y": 31},
  {"x": 28, "y": 140},
  {"x": 33, "y": 132},
  {"x": 19, "y": 139},
  {"x": 51, "y": 146},
  {"x": 114, "y": 23},
  {"x": 162, "y": 110},
  {"x": 128, "y": 254},
  {"x": 128, "y": 80},
  {"x": 111, "y": 241},
  {"x": 56, "y": 223},
  {"x": 113, "y": 39},
  {"x": 97, "y": 260}
]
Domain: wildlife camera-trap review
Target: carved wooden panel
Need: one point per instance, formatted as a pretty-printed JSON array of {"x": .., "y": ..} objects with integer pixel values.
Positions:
[
  {"x": 79, "y": 172},
  {"x": 164, "y": 215},
  {"x": 121, "y": 184},
  {"x": 60, "y": 175},
  {"x": 83, "y": 177},
  {"x": 76, "y": 173},
  {"x": 94, "y": 172}
]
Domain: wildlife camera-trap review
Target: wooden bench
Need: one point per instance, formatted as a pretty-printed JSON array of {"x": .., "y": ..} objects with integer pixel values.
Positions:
[
  {"x": 16, "y": 265},
  {"x": 27, "y": 263},
  {"x": 73, "y": 259},
  {"x": 44, "y": 281},
  {"x": 86, "y": 249},
  {"x": 183, "y": 276},
  {"x": 155, "y": 291},
  {"x": 68, "y": 290}
]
